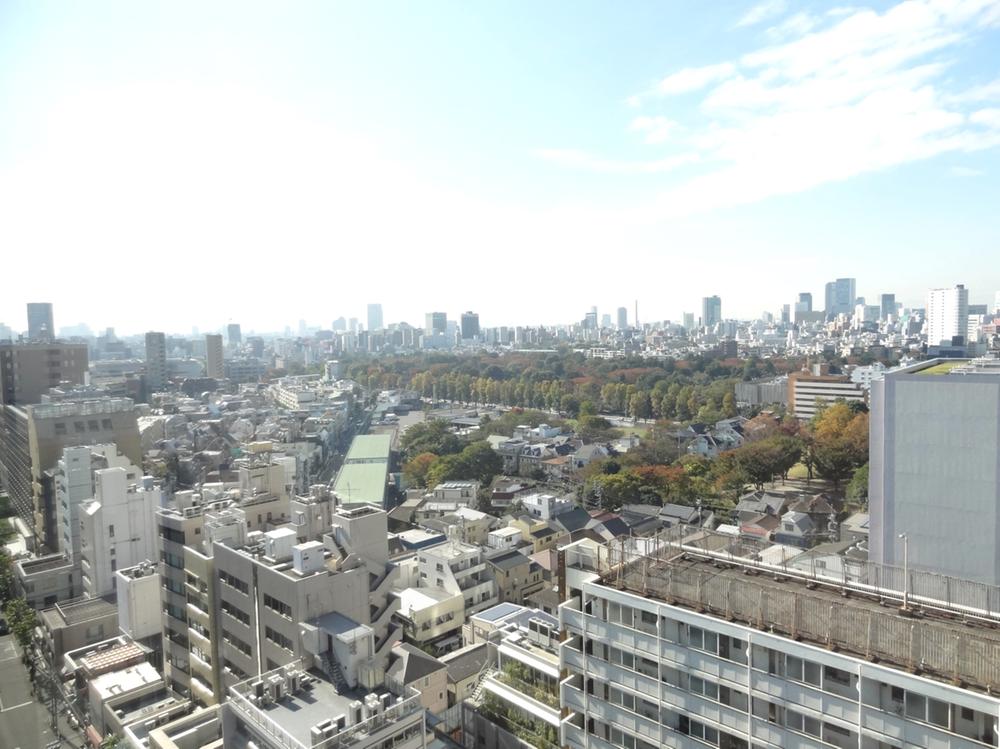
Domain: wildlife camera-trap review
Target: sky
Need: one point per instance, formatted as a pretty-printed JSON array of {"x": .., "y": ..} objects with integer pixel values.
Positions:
[{"x": 170, "y": 165}]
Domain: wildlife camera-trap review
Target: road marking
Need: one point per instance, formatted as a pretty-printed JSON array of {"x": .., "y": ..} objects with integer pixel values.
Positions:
[{"x": 15, "y": 707}]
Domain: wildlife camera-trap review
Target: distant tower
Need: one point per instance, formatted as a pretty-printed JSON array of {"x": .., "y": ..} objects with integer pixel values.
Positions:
[
  {"x": 214, "y": 366},
  {"x": 233, "y": 334},
  {"x": 375, "y": 317},
  {"x": 622, "y": 318},
  {"x": 156, "y": 361},
  {"x": 40, "y": 327}
]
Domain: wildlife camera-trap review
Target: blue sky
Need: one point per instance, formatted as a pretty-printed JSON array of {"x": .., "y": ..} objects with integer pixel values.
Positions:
[{"x": 178, "y": 164}]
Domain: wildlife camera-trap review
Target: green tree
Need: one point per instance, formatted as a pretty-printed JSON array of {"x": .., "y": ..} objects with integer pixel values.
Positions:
[
  {"x": 6, "y": 576},
  {"x": 22, "y": 620},
  {"x": 415, "y": 470},
  {"x": 857, "y": 488},
  {"x": 430, "y": 437}
]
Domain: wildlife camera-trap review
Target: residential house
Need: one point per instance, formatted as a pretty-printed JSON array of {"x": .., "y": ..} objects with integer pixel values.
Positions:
[{"x": 515, "y": 574}]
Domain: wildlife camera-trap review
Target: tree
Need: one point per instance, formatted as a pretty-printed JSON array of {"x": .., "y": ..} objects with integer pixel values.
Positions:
[
  {"x": 6, "y": 576},
  {"x": 857, "y": 489},
  {"x": 570, "y": 405},
  {"x": 430, "y": 437},
  {"x": 22, "y": 620},
  {"x": 729, "y": 405},
  {"x": 415, "y": 470}
]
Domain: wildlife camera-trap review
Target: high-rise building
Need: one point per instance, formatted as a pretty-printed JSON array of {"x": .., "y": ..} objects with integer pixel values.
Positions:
[
  {"x": 233, "y": 334},
  {"x": 214, "y": 365},
  {"x": 786, "y": 313},
  {"x": 375, "y": 317},
  {"x": 711, "y": 311},
  {"x": 622, "y": 318},
  {"x": 435, "y": 323},
  {"x": 888, "y": 306},
  {"x": 841, "y": 297},
  {"x": 28, "y": 370},
  {"x": 688, "y": 318},
  {"x": 40, "y": 325},
  {"x": 470, "y": 325},
  {"x": 996, "y": 303},
  {"x": 670, "y": 648},
  {"x": 805, "y": 303},
  {"x": 947, "y": 314},
  {"x": 156, "y": 362},
  {"x": 935, "y": 468}
]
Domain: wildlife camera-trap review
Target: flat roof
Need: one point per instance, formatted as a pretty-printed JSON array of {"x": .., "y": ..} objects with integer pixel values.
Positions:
[
  {"x": 75, "y": 612},
  {"x": 362, "y": 482},
  {"x": 369, "y": 447}
]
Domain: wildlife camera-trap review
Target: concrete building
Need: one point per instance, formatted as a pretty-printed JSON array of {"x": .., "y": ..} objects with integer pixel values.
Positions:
[
  {"x": 137, "y": 592},
  {"x": 841, "y": 297},
  {"x": 470, "y": 326},
  {"x": 46, "y": 580},
  {"x": 156, "y": 362},
  {"x": 75, "y": 624},
  {"x": 887, "y": 306},
  {"x": 808, "y": 391},
  {"x": 947, "y": 315},
  {"x": 214, "y": 364},
  {"x": 28, "y": 370},
  {"x": 290, "y": 707},
  {"x": 711, "y": 312},
  {"x": 678, "y": 650},
  {"x": 33, "y": 440},
  {"x": 364, "y": 475},
  {"x": 117, "y": 527},
  {"x": 234, "y": 336},
  {"x": 516, "y": 576},
  {"x": 935, "y": 468},
  {"x": 40, "y": 324}
]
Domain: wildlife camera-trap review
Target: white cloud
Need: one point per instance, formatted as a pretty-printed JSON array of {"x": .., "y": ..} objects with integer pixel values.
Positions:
[
  {"x": 589, "y": 162},
  {"x": 965, "y": 171},
  {"x": 762, "y": 11},
  {"x": 795, "y": 25},
  {"x": 694, "y": 79},
  {"x": 654, "y": 129},
  {"x": 841, "y": 96}
]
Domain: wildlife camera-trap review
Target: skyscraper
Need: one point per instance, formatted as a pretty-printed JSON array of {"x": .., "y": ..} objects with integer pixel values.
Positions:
[
  {"x": 234, "y": 334},
  {"x": 470, "y": 325},
  {"x": 622, "y": 318},
  {"x": 805, "y": 303},
  {"x": 435, "y": 323},
  {"x": 214, "y": 366},
  {"x": 711, "y": 311},
  {"x": 156, "y": 361},
  {"x": 841, "y": 297},
  {"x": 688, "y": 318},
  {"x": 947, "y": 314},
  {"x": 888, "y": 305},
  {"x": 375, "y": 317},
  {"x": 40, "y": 326}
]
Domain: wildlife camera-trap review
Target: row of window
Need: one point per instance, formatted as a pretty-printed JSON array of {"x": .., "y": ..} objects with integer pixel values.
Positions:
[
  {"x": 830, "y": 733},
  {"x": 278, "y": 639},
  {"x": 237, "y": 613},
  {"x": 234, "y": 582},
  {"x": 236, "y": 642},
  {"x": 279, "y": 607},
  {"x": 682, "y": 724},
  {"x": 82, "y": 426}
]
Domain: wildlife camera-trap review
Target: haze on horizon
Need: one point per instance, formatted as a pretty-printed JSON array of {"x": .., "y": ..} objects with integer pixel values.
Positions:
[{"x": 167, "y": 165}]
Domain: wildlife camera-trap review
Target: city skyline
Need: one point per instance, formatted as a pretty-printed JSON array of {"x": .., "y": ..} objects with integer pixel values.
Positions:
[{"x": 327, "y": 136}]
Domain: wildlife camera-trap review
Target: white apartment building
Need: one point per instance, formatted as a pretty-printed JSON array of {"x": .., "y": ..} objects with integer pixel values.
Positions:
[
  {"x": 117, "y": 527},
  {"x": 74, "y": 484},
  {"x": 683, "y": 648},
  {"x": 546, "y": 506},
  {"x": 947, "y": 314},
  {"x": 808, "y": 393},
  {"x": 138, "y": 597}
]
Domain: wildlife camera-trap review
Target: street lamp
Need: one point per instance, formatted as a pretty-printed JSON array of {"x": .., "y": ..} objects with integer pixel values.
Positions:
[{"x": 906, "y": 571}]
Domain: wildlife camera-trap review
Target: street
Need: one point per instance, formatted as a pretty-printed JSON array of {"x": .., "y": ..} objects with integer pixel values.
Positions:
[{"x": 24, "y": 722}]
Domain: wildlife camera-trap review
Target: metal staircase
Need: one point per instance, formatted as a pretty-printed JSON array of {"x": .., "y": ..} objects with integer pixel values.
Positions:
[
  {"x": 485, "y": 674},
  {"x": 332, "y": 669}
]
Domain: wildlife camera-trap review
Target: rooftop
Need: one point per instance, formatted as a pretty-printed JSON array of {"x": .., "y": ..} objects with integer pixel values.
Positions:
[
  {"x": 362, "y": 482},
  {"x": 937, "y": 637},
  {"x": 369, "y": 447},
  {"x": 84, "y": 610}
]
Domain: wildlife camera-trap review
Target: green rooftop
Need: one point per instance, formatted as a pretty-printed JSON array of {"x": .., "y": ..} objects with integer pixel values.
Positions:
[
  {"x": 943, "y": 367},
  {"x": 369, "y": 447},
  {"x": 362, "y": 482}
]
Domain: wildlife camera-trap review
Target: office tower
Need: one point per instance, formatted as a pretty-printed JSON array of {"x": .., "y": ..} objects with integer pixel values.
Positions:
[
  {"x": 996, "y": 303},
  {"x": 715, "y": 648},
  {"x": 28, "y": 370},
  {"x": 256, "y": 344},
  {"x": 375, "y": 317},
  {"x": 605, "y": 321},
  {"x": 947, "y": 314},
  {"x": 214, "y": 366},
  {"x": 786, "y": 313},
  {"x": 935, "y": 468},
  {"x": 40, "y": 326},
  {"x": 841, "y": 297},
  {"x": 470, "y": 325},
  {"x": 233, "y": 334},
  {"x": 711, "y": 311},
  {"x": 339, "y": 325},
  {"x": 435, "y": 323},
  {"x": 622, "y": 318},
  {"x": 156, "y": 362},
  {"x": 888, "y": 306},
  {"x": 805, "y": 303},
  {"x": 688, "y": 318},
  {"x": 352, "y": 325}
]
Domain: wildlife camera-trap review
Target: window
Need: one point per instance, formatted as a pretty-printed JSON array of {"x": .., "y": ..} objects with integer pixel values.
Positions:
[
  {"x": 279, "y": 607},
  {"x": 701, "y": 639},
  {"x": 802, "y": 723},
  {"x": 106, "y": 425},
  {"x": 111, "y": 531},
  {"x": 79, "y": 426},
  {"x": 60, "y": 427},
  {"x": 704, "y": 688},
  {"x": 278, "y": 639},
  {"x": 797, "y": 669},
  {"x": 93, "y": 426}
]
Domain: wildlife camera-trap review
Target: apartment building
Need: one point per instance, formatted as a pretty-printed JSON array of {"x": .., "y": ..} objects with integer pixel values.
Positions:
[
  {"x": 214, "y": 366},
  {"x": 156, "y": 362},
  {"x": 682, "y": 646},
  {"x": 28, "y": 370},
  {"x": 453, "y": 585},
  {"x": 117, "y": 527},
  {"x": 808, "y": 392}
]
